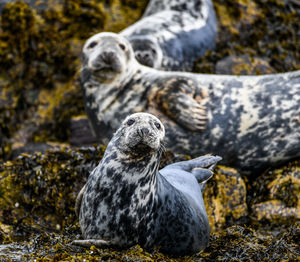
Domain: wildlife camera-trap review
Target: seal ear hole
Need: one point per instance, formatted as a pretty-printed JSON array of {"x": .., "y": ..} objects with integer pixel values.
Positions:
[
  {"x": 158, "y": 126},
  {"x": 92, "y": 44},
  {"x": 122, "y": 46},
  {"x": 130, "y": 122}
]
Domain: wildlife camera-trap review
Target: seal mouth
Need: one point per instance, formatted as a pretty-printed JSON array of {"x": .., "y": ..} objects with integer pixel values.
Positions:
[
  {"x": 141, "y": 149},
  {"x": 104, "y": 69}
]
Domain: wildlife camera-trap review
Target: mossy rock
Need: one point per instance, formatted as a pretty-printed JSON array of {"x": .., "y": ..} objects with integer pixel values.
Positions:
[
  {"x": 276, "y": 194},
  {"x": 39, "y": 190},
  {"x": 225, "y": 198},
  {"x": 236, "y": 243},
  {"x": 5, "y": 233},
  {"x": 243, "y": 65},
  {"x": 40, "y": 53},
  {"x": 264, "y": 29}
]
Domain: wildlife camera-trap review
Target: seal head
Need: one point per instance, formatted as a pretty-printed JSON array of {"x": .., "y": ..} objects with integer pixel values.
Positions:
[
  {"x": 147, "y": 52},
  {"x": 144, "y": 134},
  {"x": 106, "y": 56}
]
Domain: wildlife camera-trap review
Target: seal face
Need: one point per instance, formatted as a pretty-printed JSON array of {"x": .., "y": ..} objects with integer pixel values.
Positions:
[
  {"x": 172, "y": 34},
  {"x": 106, "y": 59},
  {"x": 253, "y": 121},
  {"x": 128, "y": 201},
  {"x": 147, "y": 52}
]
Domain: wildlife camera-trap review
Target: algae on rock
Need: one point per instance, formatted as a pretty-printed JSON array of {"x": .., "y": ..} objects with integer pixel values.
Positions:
[
  {"x": 268, "y": 30},
  {"x": 276, "y": 194}
]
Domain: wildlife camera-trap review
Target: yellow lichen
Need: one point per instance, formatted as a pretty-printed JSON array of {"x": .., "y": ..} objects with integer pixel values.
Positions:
[{"x": 225, "y": 196}]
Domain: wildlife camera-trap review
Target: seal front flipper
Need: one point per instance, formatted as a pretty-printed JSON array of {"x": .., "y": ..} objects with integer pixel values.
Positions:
[
  {"x": 202, "y": 175},
  {"x": 180, "y": 101},
  {"x": 91, "y": 242},
  {"x": 201, "y": 167}
]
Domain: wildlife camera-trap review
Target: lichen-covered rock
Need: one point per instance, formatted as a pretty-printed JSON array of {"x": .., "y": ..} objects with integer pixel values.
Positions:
[
  {"x": 4, "y": 233},
  {"x": 242, "y": 243},
  {"x": 276, "y": 194},
  {"x": 275, "y": 210},
  {"x": 243, "y": 65},
  {"x": 225, "y": 198},
  {"x": 39, "y": 190},
  {"x": 40, "y": 57},
  {"x": 236, "y": 243},
  {"x": 265, "y": 29}
]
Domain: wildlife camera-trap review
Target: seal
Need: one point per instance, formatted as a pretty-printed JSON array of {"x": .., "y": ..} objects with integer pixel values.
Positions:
[
  {"x": 173, "y": 33},
  {"x": 127, "y": 201},
  {"x": 252, "y": 121}
]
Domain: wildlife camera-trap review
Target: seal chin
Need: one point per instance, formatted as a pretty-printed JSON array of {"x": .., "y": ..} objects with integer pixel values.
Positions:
[
  {"x": 141, "y": 149},
  {"x": 105, "y": 75}
]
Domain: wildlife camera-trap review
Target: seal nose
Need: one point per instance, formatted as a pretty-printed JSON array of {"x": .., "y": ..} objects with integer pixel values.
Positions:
[
  {"x": 107, "y": 57},
  {"x": 144, "y": 131}
]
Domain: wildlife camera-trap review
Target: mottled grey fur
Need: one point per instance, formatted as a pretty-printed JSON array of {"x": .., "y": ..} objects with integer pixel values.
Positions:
[
  {"x": 173, "y": 33},
  {"x": 252, "y": 121},
  {"x": 127, "y": 201}
]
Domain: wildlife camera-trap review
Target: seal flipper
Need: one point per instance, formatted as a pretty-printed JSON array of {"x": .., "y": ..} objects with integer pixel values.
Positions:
[
  {"x": 79, "y": 200},
  {"x": 91, "y": 242},
  {"x": 202, "y": 175},
  {"x": 180, "y": 101},
  {"x": 207, "y": 162}
]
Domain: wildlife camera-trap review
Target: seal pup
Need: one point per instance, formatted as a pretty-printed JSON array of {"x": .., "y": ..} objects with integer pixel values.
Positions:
[
  {"x": 127, "y": 201},
  {"x": 173, "y": 33},
  {"x": 252, "y": 121}
]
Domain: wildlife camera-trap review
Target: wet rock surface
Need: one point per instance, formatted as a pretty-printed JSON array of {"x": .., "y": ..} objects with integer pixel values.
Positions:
[{"x": 42, "y": 113}]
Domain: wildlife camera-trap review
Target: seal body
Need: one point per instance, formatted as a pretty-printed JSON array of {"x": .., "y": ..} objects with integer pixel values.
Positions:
[
  {"x": 127, "y": 201},
  {"x": 253, "y": 121},
  {"x": 172, "y": 34}
]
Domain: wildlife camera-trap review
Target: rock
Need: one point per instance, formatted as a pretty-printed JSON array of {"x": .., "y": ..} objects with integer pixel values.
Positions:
[
  {"x": 225, "y": 198},
  {"x": 275, "y": 210},
  {"x": 276, "y": 195},
  {"x": 38, "y": 190},
  {"x": 243, "y": 65},
  {"x": 81, "y": 132}
]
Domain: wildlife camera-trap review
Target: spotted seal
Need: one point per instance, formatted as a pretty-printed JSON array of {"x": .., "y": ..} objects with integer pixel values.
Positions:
[
  {"x": 127, "y": 201},
  {"x": 173, "y": 33},
  {"x": 253, "y": 121}
]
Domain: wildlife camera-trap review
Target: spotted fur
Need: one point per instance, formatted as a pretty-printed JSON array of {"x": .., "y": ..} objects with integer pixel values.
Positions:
[
  {"x": 252, "y": 121},
  {"x": 127, "y": 201},
  {"x": 172, "y": 33}
]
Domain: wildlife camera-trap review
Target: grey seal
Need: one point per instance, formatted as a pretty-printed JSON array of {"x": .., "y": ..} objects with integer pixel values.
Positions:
[
  {"x": 173, "y": 33},
  {"x": 252, "y": 121},
  {"x": 127, "y": 201}
]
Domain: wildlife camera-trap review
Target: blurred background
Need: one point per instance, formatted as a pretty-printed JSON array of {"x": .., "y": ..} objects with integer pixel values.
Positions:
[{"x": 41, "y": 102}]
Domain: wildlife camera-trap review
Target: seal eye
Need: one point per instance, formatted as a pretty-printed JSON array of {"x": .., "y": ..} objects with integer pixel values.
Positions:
[
  {"x": 157, "y": 125},
  {"x": 122, "y": 46},
  {"x": 91, "y": 45},
  {"x": 130, "y": 122}
]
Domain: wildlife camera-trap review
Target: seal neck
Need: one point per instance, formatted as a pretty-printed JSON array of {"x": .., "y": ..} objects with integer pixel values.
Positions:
[{"x": 140, "y": 171}]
